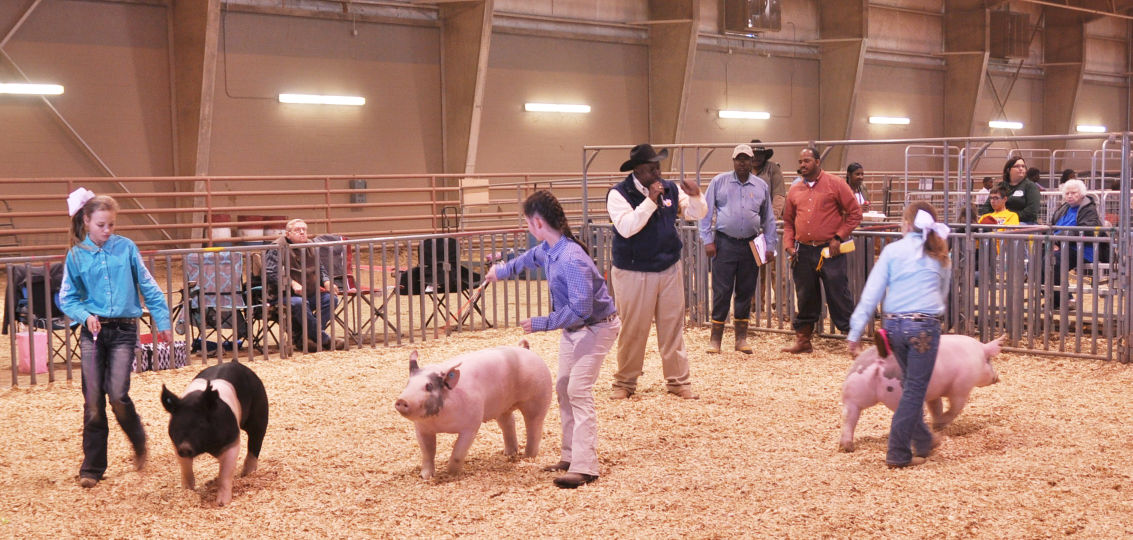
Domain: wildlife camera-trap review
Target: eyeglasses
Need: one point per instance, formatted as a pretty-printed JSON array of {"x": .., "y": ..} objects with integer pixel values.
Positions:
[{"x": 995, "y": 198}]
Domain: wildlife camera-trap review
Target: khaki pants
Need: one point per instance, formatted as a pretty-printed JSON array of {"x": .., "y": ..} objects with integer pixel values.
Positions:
[
  {"x": 580, "y": 361},
  {"x": 641, "y": 298}
]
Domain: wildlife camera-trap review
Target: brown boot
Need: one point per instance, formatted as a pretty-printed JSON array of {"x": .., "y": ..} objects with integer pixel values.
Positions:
[
  {"x": 741, "y": 336},
  {"x": 802, "y": 341},
  {"x": 717, "y": 337}
]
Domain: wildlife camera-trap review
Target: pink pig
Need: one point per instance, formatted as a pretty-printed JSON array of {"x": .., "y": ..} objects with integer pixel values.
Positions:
[
  {"x": 962, "y": 363},
  {"x": 458, "y": 395}
]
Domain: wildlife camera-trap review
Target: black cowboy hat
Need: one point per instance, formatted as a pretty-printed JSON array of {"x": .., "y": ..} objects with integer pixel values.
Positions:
[
  {"x": 643, "y": 153},
  {"x": 767, "y": 152}
]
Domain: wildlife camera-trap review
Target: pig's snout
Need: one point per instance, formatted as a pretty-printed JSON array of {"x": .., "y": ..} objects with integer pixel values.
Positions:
[
  {"x": 402, "y": 406},
  {"x": 185, "y": 450}
]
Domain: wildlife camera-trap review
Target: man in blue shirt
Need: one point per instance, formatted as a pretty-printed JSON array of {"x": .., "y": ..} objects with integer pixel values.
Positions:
[{"x": 739, "y": 210}]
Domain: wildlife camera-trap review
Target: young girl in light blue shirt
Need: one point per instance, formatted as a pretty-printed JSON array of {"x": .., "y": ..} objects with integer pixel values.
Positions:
[
  {"x": 912, "y": 275},
  {"x": 102, "y": 279}
]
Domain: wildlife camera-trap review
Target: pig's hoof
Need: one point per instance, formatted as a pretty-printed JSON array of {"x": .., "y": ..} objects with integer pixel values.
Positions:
[
  {"x": 223, "y": 498},
  {"x": 846, "y": 447},
  {"x": 250, "y": 466},
  {"x": 426, "y": 476}
]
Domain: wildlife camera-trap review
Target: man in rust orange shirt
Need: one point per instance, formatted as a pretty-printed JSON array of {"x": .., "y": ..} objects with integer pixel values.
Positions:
[{"x": 820, "y": 211}]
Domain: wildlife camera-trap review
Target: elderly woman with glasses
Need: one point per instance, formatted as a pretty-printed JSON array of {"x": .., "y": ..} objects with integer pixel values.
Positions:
[{"x": 1078, "y": 209}]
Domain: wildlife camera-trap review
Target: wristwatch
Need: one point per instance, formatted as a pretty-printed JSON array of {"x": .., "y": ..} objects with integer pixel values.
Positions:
[{"x": 838, "y": 238}]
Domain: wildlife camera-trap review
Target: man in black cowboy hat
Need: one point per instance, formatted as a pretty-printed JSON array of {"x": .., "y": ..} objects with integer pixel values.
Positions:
[
  {"x": 771, "y": 173},
  {"x": 647, "y": 275}
]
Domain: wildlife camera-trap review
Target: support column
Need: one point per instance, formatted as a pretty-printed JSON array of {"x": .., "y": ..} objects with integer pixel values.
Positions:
[
  {"x": 1064, "y": 60},
  {"x": 466, "y": 33},
  {"x": 672, "y": 51},
  {"x": 195, "y": 29},
  {"x": 843, "y": 30},
  {"x": 966, "y": 41}
]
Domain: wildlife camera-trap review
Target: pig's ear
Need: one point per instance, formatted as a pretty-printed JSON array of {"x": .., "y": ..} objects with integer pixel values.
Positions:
[
  {"x": 524, "y": 343},
  {"x": 413, "y": 367},
  {"x": 169, "y": 400},
  {"x": 452, "y": 377}
]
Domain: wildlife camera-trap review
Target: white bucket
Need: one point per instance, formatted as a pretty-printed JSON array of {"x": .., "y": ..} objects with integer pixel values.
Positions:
[{"x": 24, "y": 351}]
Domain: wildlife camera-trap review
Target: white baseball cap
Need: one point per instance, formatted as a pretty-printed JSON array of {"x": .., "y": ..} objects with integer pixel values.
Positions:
[{"x": 742, "y": 149}]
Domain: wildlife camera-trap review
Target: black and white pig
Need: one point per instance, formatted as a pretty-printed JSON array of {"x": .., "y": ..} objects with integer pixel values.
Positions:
[
  {"x": 458, "y": 395},
  {"x": 208, "y": 417}
]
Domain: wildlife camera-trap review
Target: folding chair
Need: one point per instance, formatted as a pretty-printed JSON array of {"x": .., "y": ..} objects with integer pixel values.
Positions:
[
  {"x": 339, "y": 262},
  {"x": 218, "y": 300},
  {"x": 444, "y": 274}
]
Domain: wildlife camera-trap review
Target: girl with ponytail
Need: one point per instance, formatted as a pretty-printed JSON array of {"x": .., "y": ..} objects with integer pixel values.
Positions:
[
  {"x": 581, "y": 306},
  {"x": 103, "y": 277},
  {"x": 912, "y": 276}
]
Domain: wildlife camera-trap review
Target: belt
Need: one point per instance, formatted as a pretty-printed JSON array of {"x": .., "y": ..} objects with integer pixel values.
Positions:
[
  {"x": 913, "y": 316},
  {"x": 729, "y": 237},
  {"x": 117, "y": 321},
  {"x": 611, "y": 318},
  {"x": 816, "y": 244}
]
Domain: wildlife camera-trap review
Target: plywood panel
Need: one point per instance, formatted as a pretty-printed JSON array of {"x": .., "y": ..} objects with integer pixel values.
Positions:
[
  {"x": 590, "y": 10},
  {"x": 785, "y": 87},
  {"x": 113, "y": 61},
  {"x": 903, "y": 31},
  {"x": 611, "y": 78},
  {"x": 396, "y": 68},
  {"x": 886, "y": 90}
]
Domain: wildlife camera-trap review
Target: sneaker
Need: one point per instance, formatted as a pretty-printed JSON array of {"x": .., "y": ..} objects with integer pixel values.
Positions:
[
  {"x": 937, "y": 440},
  {"x": 88, "y": 482},
  {"x": 620, "y": 393},
  {"x": 917, "y": 460}
]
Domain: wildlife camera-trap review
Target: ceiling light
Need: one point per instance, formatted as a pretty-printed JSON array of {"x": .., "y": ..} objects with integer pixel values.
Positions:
[
  {"x": 31, "y": 89},
  {"x": 556, "y": 107},
  {"x": 890, "y": 120},
  {"x": 746, "y": 115},
  {"x": 315, "y": 99},
  {"x": 1086, "y": 128},
  {"x": 1005, "y": 124}
]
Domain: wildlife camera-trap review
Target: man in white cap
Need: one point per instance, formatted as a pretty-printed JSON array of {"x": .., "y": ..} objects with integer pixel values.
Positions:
[
  {"x": 739, "y": 210},
  {"x": 648, "y": 280}
]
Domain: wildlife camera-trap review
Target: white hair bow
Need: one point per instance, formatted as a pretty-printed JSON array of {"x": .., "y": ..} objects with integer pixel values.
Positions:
[
  {"x": 924, "y": 222},
  {"x": 77, "y": 199}
]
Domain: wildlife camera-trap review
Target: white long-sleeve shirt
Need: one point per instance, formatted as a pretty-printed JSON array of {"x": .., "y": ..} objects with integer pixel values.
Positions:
[{"x": 629, "y": 220}]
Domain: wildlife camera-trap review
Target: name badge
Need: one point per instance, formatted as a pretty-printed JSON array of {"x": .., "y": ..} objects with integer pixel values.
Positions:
[{"x": 1018, "y": 193}]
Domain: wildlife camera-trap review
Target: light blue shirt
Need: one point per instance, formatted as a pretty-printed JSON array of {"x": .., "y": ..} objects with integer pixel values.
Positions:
[
  {"x": 741, "y": 209},
  {"x": 578, "y": 290},
  {"x": 106, "y": 282},
  {"x": 909, "y": 280}
]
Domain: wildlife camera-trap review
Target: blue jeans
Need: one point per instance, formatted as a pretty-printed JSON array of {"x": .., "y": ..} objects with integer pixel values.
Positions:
[
  {"x": 314, "y": 330},
  {"x": 106, "y": 368},
  {"x": 915, "y": 343}
]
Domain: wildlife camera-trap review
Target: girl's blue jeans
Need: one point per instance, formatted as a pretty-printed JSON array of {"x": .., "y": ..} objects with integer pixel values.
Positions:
[
  {"x": 107, "y": 363},
  {"x": 915, "y": 343}
]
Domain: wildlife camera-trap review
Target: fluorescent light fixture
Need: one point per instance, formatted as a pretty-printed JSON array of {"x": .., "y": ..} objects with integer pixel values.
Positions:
[
  {"x": 1005, "y": 124},
  {"x": 890, "y": 120},
  {"x": 315, "y": 99},
  {"x": 31, "y": 89},
  {"x": 1086, "y": 128},
  {"x": 746, "y": 115},
  {"x": 556, "y": 107}
]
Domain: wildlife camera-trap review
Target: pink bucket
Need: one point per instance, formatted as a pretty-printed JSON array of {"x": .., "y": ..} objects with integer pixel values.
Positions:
[{"x": 24, "y": 352}]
